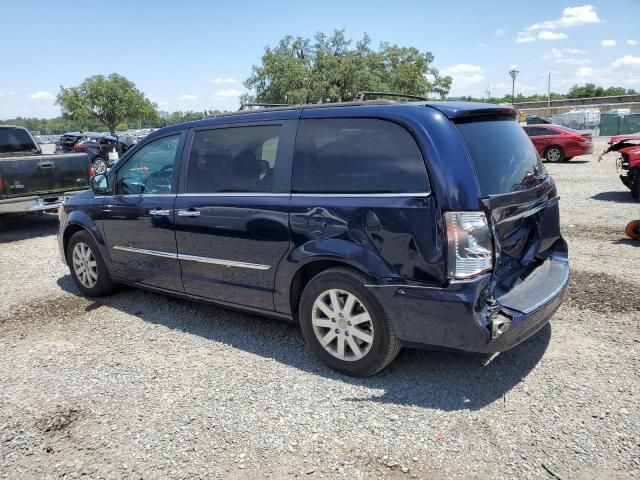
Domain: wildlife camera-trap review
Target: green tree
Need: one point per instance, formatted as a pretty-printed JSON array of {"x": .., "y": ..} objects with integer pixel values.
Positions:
[
  {"x": 108, "y": 100},
  {"x": 592, "y": 90},
  {"x": 332, "y": 69}
]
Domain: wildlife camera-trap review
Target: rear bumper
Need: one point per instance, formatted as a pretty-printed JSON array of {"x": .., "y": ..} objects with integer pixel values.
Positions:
[
  {"x": 453, "y": 317},
  {"x": 34, "y": 203}
]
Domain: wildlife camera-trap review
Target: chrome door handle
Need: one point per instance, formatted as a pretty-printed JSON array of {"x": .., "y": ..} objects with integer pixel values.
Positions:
[
  {"x": 160, "y": 213},
  {"x": 188, "y": 213}
]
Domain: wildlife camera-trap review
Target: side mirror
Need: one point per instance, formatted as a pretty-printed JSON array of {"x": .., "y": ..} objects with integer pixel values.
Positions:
[{"x": 100, "y": 184}]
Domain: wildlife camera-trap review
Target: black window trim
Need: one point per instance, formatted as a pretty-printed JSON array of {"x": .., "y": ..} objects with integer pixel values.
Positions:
[{"x": 282, "y": 169}]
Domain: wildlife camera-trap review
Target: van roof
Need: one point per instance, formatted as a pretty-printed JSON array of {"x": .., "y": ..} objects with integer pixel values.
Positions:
[{"x": 451, "y": 110}]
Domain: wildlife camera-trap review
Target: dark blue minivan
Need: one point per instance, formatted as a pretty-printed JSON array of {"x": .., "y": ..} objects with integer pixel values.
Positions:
[{"x": 373, "y": 224}]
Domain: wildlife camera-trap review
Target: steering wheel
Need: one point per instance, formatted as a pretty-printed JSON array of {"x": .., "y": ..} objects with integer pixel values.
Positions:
[{"x": 160, "y": 181}]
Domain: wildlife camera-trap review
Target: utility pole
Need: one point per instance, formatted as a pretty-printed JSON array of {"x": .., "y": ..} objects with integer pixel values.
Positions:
[
  {"x": 549, "y": 95},
  {"x": 488, "y": 92},
  {"x": 514, "y": 73}
]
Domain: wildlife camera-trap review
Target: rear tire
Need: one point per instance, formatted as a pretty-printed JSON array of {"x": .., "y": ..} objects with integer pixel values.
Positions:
[
  {"x": 554, "y": 154},
  {"x": 345, "y": 324},
  {"x": 87, "y": 267}
]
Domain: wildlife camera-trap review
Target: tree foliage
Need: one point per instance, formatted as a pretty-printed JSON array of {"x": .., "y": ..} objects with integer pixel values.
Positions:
[
  {"x": 577, "y": 91},
  {"x": 592, "y": 90},
  {"x": 108, "y": 100},
  {"x": 332, "y": 69}
]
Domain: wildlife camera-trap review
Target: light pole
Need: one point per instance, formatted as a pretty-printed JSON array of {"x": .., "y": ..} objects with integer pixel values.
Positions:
[{"x": 514, "y": 73}]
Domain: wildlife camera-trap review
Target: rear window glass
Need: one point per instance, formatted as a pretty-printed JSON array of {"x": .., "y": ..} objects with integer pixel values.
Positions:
[
  {"x": 504, "y": 157},
  {"x": 15, "y": 140},
  {"x": 357, "y": 155}
]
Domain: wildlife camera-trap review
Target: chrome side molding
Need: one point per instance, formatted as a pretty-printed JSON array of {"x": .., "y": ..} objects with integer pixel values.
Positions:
[
  {"x": 194, "y": 258},
  {"x": 226, "y": 263}
]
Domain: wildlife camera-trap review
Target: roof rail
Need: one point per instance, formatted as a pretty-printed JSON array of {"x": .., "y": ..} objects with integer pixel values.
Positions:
[
  {"x": 250, "y": 106},
  {"x": 362, "y": 96}
]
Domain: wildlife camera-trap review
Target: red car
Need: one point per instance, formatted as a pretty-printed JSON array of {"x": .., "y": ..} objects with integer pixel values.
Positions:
[
  {"x": 629, "y": 161},
  {"x": 558, "y": 144}
]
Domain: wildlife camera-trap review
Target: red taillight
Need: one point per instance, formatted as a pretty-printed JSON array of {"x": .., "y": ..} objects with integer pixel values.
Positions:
[
  {"x": 91, "y": 171},
  {"x": 1, "y": 184},
  {"x": 80, "y": 148}
]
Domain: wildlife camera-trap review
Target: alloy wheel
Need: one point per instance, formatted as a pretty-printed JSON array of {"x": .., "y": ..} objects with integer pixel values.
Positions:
[
  {"x": 342, "y": 324},
  {"x": 84, "y": 265},
  {"x": 554, "y": 154},
  {"x": 100, "y": 166}
]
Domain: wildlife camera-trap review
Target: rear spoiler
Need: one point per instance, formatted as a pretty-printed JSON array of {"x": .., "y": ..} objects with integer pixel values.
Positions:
[{"x": 472, "y": 112}]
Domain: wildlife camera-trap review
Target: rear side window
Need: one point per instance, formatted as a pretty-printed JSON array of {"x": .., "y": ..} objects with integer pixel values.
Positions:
[
  {"x": 234, "y": 159},
  {"x": 504, "y": 158},
  {"x": 356, "y": 155}
]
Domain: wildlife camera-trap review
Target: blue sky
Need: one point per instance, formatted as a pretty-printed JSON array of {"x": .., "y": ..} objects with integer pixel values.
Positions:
[{"x": 195, "y": 54}]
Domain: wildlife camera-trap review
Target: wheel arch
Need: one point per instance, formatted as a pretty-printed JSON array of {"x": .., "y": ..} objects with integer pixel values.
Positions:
[
  {"x": 312, "y": 268},
  {"x": 77, "y": 222}
]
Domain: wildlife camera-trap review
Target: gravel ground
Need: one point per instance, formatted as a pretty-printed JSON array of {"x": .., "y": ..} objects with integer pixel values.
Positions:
[{"x": 145, "y": 386}]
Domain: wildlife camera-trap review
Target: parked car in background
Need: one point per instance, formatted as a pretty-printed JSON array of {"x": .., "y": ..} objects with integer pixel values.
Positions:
[
  {"x": 555, "y": 143},
  {"x": 628, "y": 163},
  {"x": 103, "y": 151},
  {"x": 68, "y": 140},
  {"x": 372, "y": 225},
  {"x": 33, "y": 182}
]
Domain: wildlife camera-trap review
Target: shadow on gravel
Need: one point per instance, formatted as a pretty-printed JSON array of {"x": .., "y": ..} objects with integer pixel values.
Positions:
[
  {"x": 615, "y": 196},
  {"x": 429, "y": 379},
  {"x": 627, "y": 241},
  {"x": 569, "y": 162},
  {"x": 21, "y": 227}
]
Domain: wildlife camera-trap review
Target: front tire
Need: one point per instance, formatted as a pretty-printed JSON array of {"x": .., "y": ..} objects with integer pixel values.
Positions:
[
  {"x": 88, "y": 269},
  {"x": 554, "y": 154},
  {"x": 345, "y": 324}
]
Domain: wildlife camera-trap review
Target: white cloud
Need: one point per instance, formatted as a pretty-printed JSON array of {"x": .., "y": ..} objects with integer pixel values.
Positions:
[
  {"x": 608, "y": 43},
  {"x": 573, "y": 61},
  {"x": 464, "y": 75},
  {"x": 499, "y": 32},
  {"x": 482, "y": 44},
  {"x": 566, "y": 56},
  {"x": 223, "y": 80},
  {"x": 556, "y": 53},
  {"x": 628, "y": 62},
  {"x": 571, "y": 17},
  {"x": 584, "y": 72},
  {"x": 523, "y": 38},
  {"x": 188, "y": 97},
  {"x": 42, "y": 95},
  {"x": 547, "y": 35},
  {"x": 462, "y": 68},
  {"x": 632, "y": 43},
  {"x": 227, "y": 92}
]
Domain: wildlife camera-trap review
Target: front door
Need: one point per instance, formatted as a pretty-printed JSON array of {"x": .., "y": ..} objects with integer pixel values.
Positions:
[
  {"x": 232, "y": 222},
  {"x": 138, "y": 219}
]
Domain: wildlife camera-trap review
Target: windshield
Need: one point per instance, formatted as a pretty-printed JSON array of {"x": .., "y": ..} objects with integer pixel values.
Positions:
[{"x": 504, "y": 157}]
